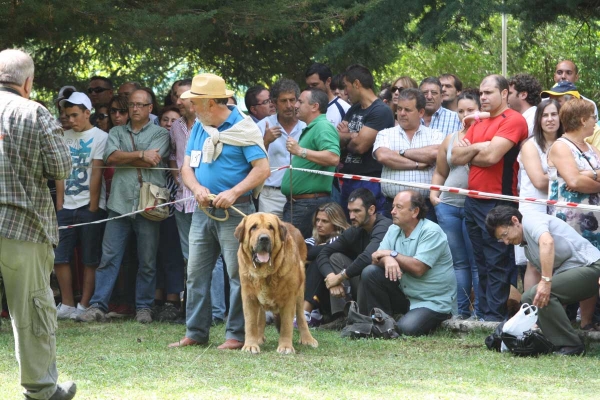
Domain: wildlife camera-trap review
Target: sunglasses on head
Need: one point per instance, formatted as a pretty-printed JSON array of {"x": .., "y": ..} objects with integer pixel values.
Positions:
[
  {"x": 395, "y": 89},
  {"x": 101, "y": 116},
  {"x": 96, "y": 90},
  {"x": 119, "y": 110}
]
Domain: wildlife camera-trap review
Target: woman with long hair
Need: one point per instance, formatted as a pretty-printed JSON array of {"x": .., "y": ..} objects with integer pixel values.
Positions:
[
  {"x": 449, "y": 207},
  {"x": 329, "y": 221},
  {"x": 533, "y": 170},
  {"x": 399, "y": 85},
  {"x": 573, "y": 172}
]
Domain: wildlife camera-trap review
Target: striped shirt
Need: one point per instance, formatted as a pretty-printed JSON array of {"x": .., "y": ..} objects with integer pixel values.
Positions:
[
  {"x": 444, "y": 120},
  {"x": 395, "y": 139},
  {"x": 179, "y": 138},
  {"x": 32, "y": 150}
]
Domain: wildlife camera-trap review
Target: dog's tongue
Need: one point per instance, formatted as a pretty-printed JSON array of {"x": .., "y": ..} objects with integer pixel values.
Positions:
[{"x": 263, "y": 256}]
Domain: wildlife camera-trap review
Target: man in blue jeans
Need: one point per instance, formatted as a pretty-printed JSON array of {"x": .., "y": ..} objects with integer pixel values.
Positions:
[
  {"x": 226, "y": 158},
  {"x": 150, "y": 149}
]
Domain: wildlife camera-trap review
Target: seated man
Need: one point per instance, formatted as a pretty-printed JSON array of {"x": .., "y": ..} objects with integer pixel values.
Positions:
[
  {"x": 344, "y": 259},
  {"x": 570, "y": 267},
  {"x": 413, "y": 265}
]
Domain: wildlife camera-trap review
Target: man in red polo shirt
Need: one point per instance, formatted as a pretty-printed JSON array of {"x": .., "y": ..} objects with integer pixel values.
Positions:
[{"x": 491, "y": 147}]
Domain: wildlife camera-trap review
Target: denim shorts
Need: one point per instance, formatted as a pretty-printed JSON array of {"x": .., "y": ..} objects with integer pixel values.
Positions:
[{"x": 89, "y": 237}]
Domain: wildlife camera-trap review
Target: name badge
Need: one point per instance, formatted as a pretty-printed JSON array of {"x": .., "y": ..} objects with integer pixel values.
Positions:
[{"x": 195, "y": 158}]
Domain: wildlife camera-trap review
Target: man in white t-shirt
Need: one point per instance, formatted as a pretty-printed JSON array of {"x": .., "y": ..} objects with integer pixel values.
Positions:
[
  {"x": 80, "y": 198},
  {"x": 319, "y": 76},
  {"x": 523, "y": 96}
]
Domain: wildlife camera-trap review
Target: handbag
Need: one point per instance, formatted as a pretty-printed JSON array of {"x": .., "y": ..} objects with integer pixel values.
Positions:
[
  {"x": 529, "y": 343},
  {"x": 151, "y": 196},
  {"x": 379, "y": 325}
]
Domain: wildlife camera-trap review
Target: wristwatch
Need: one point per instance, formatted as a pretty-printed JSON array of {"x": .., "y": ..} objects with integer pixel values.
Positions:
[
  {"x": 394, "y": 254},
  {"x": 547, "y": 278},
  {"x": 303, "y": 153},
  {"x": 401, "y": 152},
  {"x": 344, "y": 275}
]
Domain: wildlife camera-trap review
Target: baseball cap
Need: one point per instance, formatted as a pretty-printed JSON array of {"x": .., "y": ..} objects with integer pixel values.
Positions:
[
  {"x": 560, "y": 89},
  {"x": 78, "y": 98}
]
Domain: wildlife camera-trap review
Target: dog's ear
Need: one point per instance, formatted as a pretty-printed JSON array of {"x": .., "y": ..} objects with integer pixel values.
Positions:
[
  {"x": 240, "y": 231},
  {"x": 282, "y": 231}
]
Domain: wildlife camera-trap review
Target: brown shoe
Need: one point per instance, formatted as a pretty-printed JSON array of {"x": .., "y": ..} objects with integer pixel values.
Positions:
[
  {"x": 185, "y": 342},
  {"x": 231, "y": 344}
]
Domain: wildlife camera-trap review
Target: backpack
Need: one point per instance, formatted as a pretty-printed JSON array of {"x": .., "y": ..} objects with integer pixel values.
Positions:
[{"x": 378, "y": 325}]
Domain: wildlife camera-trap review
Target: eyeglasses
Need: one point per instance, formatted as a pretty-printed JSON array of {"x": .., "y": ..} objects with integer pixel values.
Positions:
[
  {"x": 96, "y": 90},
  {"x": 503, "y": 235},
  {"x": 594, "y": 117},
  {"x": 264, "y": 102},
  {"x": 119, "y": 110},
  {"x": 138, "y": 105},
  {"x": 101, "y": 116},
  {"x": 395, "y": 89}
]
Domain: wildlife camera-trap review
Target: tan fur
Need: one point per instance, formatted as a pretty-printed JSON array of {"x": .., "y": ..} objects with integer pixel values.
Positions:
[{"x": 277, "y": 286}]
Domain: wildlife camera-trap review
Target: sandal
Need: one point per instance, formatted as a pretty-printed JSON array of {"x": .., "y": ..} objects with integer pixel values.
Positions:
[{"x": 591, "y": 327}]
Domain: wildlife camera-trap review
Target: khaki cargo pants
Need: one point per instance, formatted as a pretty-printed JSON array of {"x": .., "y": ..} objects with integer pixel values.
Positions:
[{"x": 25, "y": 268}]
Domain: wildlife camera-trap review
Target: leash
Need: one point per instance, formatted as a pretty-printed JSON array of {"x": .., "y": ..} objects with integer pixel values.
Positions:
[
  {"x": 210, "y": 214},
  {"x": 291, "y": 194}
]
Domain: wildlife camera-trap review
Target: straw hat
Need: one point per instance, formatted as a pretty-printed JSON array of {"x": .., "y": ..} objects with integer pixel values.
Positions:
[{"x": 207, "y": 86}]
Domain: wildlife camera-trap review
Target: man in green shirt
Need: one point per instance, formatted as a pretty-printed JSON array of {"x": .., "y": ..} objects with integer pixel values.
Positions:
[{"x": 317, "y": 149}]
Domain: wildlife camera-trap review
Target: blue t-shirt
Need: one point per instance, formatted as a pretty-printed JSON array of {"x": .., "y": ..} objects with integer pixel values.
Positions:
[{"x": 232, "y": 166}]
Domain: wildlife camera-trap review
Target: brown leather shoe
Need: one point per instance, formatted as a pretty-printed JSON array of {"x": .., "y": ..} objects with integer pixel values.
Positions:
[
  {"x": 231, "y": 344},
  {"x": 185, "y": 342}
]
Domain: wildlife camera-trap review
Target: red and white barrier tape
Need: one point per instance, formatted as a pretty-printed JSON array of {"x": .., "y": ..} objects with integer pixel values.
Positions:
[{"x": 464, "y": 192}]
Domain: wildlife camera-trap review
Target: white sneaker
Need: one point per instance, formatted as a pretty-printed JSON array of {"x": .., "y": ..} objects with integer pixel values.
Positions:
[
  {"x": 79, "y": 310},
  {"x": 64, "y": 311}
]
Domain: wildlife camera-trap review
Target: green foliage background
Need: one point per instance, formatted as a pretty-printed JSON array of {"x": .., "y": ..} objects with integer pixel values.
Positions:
[{"x": 251, "y": 41}]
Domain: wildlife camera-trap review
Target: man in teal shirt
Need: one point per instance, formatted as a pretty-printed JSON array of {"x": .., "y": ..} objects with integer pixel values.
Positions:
[
  {"x": 413, "y": 267},
  {"x": 318, "y": 149}
]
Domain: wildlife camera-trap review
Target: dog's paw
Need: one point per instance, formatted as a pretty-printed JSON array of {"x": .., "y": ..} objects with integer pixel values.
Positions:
[
  {"x": 284, "y": 349},
  {"x": 254, "y": 349},
  {"x": 312, "y": 342}
]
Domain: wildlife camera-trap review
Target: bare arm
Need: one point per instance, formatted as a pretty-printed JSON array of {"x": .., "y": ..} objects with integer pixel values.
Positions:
[
  {"x": 96, "y": 184},
  {"x": 542, "y": 295},
  {"x": 426, "y": 154},
  {"x": 440, "y": 174},
  {"x": 493, "y": 152},
  {"x": 189, "y": 179},
  {"x": 464, "y": 152},
  {"x": 560, "y": 156},
  {"x": 393, "y": 160},
  {"x": 133, "y": 158},
  {"x": 322, "y": 157},
  {"x": 407, "y": 264},
  {"x": 60, "y": 194},
  {"x": 533, "y": 166},
  {"x": 258, "y": 174}
]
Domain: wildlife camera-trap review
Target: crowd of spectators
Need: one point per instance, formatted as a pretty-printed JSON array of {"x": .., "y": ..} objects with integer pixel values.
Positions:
[{"x": 425, "y": 254}]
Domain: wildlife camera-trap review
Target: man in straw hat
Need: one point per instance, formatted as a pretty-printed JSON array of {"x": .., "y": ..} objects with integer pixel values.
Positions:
[{"x": 225, "y": 156}]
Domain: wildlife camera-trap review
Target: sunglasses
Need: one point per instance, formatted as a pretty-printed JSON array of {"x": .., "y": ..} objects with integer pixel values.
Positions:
[
  {"x": 101, "y": 117},
  {"x": 395, "y": 89},
  {"x": 96, "y": 90},
  {"x": 119, "y": 110}
]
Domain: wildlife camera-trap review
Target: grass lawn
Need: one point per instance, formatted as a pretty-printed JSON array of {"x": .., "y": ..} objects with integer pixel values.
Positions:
[{"x": 126, "y": 360}]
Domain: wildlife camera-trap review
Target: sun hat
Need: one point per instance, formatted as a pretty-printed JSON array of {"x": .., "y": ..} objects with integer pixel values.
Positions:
[
  {"x": 78, "y": 98},
  {"x": 207, "y": 86},
  {"x": 560, "y": 89}
]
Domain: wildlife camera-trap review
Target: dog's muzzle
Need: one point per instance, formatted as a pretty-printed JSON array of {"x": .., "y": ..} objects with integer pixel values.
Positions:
[{"x": 262, "y": 250}]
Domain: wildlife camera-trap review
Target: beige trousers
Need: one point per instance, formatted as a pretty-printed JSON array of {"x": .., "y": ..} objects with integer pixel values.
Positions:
[{"x": 25, "y": 268}]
